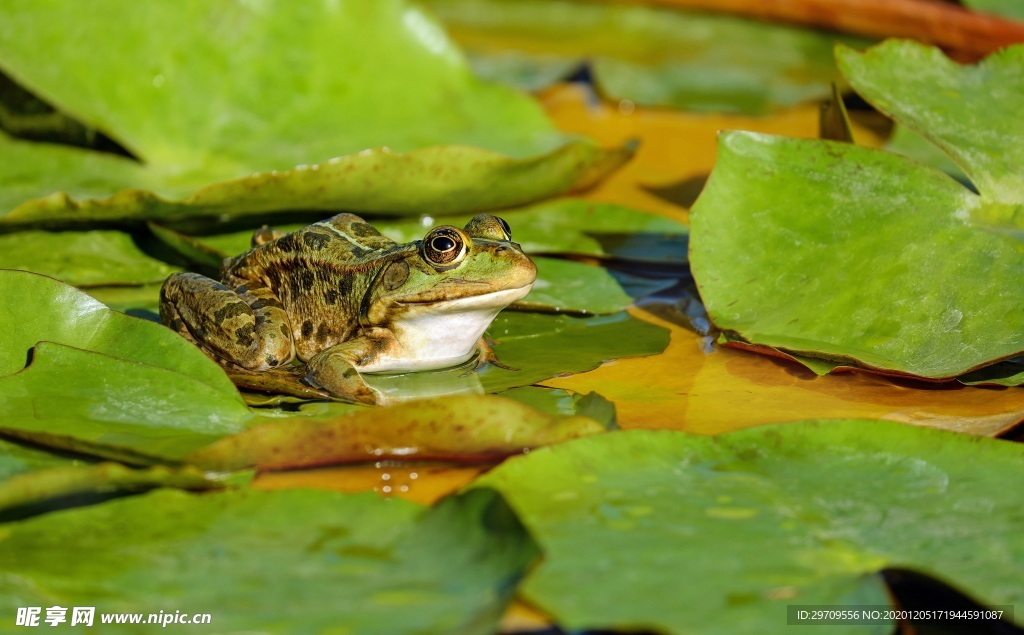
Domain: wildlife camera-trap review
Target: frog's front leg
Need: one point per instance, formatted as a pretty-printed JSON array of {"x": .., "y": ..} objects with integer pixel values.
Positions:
[
  {"x": 245, "y": 325},
  {"x": 485, "y": 355},
  {"x": 336, "y": 369}
]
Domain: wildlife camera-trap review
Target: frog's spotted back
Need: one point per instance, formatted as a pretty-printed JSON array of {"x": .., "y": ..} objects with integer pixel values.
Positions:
[{"x": 343, "y": 298}]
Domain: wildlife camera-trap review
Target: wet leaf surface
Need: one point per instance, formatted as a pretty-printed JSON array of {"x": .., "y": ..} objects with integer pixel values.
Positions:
[
  {"x": 880, "y": 264},
  {"x": 212, "y": 102},
  {"x": 651, "y": 56},
  {"x": 542, "y": 346},
  {"x": 118, "y": 408},
  {"x": 88, "y": 258},
  {"x": 697, "y": 387},
  {"x": 466, "y": 428},
  {"x": 676, "y": 151},
  {"x": 29, "y": 492},
  {"x": 707, "y": 535},
  {"x": 16, "y": 458},
  {"x": 327, "y": 561},
  {"x": 35, "y": 308},
  {"x": 967, "y": 111}
]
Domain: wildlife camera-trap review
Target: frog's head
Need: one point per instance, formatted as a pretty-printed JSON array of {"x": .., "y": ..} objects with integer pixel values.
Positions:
[
  {"x": 451, "y": 284},
  {"x": 454, "y": 270}
]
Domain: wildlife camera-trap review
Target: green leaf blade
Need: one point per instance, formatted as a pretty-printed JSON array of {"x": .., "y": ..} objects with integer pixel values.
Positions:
[
  {"x": 710, "y": 535},
  {"x": 962, "y": 109},
  {"x": 847, "y": 253}
]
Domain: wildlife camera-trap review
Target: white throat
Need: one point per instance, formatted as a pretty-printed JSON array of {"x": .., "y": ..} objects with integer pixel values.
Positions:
[{"x": 443, "y": 334}]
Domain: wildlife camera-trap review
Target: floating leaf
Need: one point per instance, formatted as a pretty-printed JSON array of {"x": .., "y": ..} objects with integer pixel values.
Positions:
[
  {"x": 470, "y": 428},
  {"x": 651, "y": 56},
  {"x": 88, "y": 258},
  {"x": 926, "y": 289},
  {"x": 713, "y": 535},
  {"x": 707, "y": 382},
  {"x": 910, "y": 144},
  {"x": 326, "y": 561},
  {"x": 575, "y": 226},
  {"x": 561, "y": 402},
  {"x": 101, "y": 381},
  {"x": 35, "y": 488},
  {"x": 1008, "y": 373},
  {"x": 970, "y": 112},
  {"x": 34, "y": 308},
  {"x": 17, "y": 459},
  {"x": 545, "y": 346},
  {"x": 118, "y": 408},
  {"x": 661, "y": 177},
  {"x": 215, "y": 99}
]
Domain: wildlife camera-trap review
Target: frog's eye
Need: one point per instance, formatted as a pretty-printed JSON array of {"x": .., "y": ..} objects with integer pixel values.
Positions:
[
  {"x": 489, "y": 227},
  {"x": 505, "y": 227},
  {"x": 444, "y": 247}
]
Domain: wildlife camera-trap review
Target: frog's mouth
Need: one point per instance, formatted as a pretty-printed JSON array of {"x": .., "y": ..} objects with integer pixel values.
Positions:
[{"x": 499, "y": 299}]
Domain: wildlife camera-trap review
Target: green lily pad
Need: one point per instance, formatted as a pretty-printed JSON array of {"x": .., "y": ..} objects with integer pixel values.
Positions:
[
  {"x": 556, "y": 401},
  {"x": 228, "y": 107},
  {"x": 88, "y": 258},
  {"x": 693, "y": 534},
  {"x": 103, "y": 381},
  {"x": 910, "y": 144},
  {"x": 17, "y": 459},
  {"x": 572, "y": 226},
  {"x": 113, "y": 407},
  {"x": 141, "y": 300},
  {"x": 327, "y": 562},
  {"x": 652, "y": 56},
  {"x": 970, "y": 112},
  {"x": 474, "y": 428},
  {"x": 1008, "y": 373},
  {"x": 33, "y": 489},
  {"x": 38, "y": 308},
  {"x": 882, "y": 262},
  {"x": 855, "y": 274},
  {"x": 541, "y": 346}
]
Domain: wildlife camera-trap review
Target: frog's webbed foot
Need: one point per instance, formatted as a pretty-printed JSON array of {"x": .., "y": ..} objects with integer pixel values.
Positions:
[
  {"x": 332, "y": 371},
  {"x": 485, "y": 355}
]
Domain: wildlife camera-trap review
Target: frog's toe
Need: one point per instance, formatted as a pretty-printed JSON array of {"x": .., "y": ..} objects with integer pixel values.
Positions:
[
  {"x": 485, "y": 355},
  {"x": 341, "y": 381}
]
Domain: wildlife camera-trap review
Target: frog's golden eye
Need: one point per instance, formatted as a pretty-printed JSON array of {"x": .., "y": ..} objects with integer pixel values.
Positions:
[
  {"x": 489, "y": 227},
  {"x": 444, "y": 247}
]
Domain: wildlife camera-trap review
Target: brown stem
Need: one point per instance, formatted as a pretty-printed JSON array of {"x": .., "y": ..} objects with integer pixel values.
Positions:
[{"x": 967, "y": 34}]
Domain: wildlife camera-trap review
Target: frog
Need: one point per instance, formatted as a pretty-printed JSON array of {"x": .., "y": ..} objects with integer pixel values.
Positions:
[{"x": 345, "y": 300}]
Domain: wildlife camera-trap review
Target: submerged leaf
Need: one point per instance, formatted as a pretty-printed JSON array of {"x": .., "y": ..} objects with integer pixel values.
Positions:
[
  {"x": 327, "y": 562},
  {"x": 713, "y": 535},
  {"x": 648, "y": 55},
  {"x": 470, "y": 428}
]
